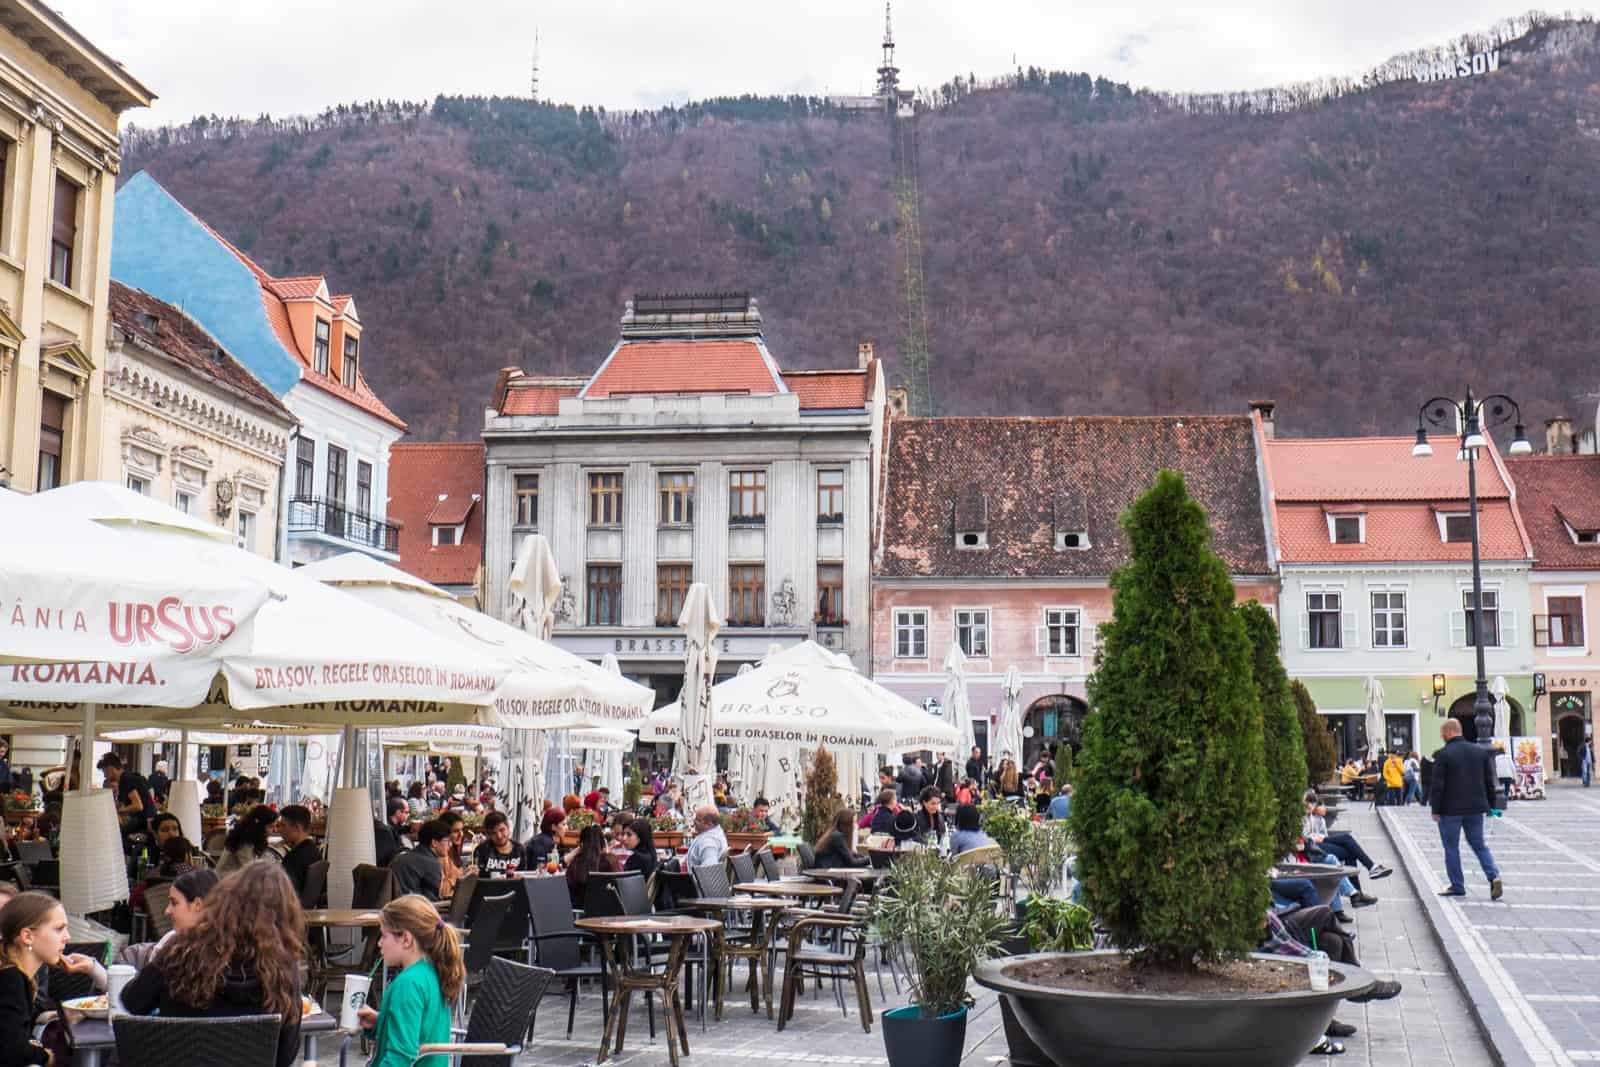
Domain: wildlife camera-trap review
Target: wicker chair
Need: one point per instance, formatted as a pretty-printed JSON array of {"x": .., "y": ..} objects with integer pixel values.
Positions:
[
  {"x": 769, "y": 865},
  {"x": 155, "y": 906},
  {"x": 744, "y": 867},
  {"x": 808, "y": 856},
  {"x": 172, "y": 1042}
]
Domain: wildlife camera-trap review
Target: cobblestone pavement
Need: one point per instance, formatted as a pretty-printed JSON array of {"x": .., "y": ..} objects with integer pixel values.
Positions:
[
  {"x": 1530, "y": 962},
  {"x": 1426, "y": 1026}
]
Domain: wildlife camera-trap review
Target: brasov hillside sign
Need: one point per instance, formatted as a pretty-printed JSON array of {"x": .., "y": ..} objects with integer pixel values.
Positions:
[{"x": 1459, "y": 67}]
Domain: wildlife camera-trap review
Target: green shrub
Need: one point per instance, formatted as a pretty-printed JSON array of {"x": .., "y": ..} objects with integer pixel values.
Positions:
[
  {"x": 1057, "y": 926},
  {"x": 1280, "y": 728},
  {"x": 1172, "y": 810},
  {"x": 944, "y": 920},
  {"x": 1320, "y": 754},
  {"x": 1011, "y": 828},
  {"x": 631, "y": 789},
  {"x": 822, "y": 796}
]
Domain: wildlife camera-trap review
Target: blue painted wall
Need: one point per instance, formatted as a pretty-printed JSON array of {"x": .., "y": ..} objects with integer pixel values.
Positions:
[{"x": 158, "y": 246}]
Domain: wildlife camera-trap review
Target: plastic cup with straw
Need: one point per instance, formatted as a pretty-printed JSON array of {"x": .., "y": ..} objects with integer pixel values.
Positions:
[{"x": 1317, "y": 966}]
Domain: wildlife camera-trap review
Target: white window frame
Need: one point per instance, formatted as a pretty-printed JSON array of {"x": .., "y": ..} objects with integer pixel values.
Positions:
[
  {"x": 1079, "y": 625},
  {"x": 1442, "y": 517},
  {"x": 1333, "y": 518},
  {"x": 987, "y": 627},
  {"x": 1506, "y": 633},
  {"x": 1582, "y": 593},
  {"x": 241, "y": 517},
  {"x": 1349, "y": 626},
  {"x": 925, "y": 626},
  {"x": 183, "y": 499},
  {"x": 1404, "y": 588},
  {"x": 138, "y": 481},
  {"x": 459, "y": 528}
]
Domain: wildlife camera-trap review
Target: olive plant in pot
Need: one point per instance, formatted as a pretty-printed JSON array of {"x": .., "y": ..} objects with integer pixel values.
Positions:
[
  {"x": 1172, "y": 819},
  {"x": 1047, "y": 922},
  {"x": 943, "y": 920}
]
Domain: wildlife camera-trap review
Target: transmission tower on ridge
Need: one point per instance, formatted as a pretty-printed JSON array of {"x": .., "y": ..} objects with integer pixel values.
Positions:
[
  {"x": 901, "y": 114},
  {"x": 534, "y": 87}
]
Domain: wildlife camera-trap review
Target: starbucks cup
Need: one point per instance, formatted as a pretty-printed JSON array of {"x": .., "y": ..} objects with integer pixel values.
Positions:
[
  {"x": 1317, "y": 969},
  {"x": 356, "y": 987},
  {"x": 118, "y": 975}
]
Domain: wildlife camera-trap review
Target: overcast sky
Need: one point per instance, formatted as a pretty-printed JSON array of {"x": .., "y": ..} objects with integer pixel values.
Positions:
[{"x": 296, "y": 56}]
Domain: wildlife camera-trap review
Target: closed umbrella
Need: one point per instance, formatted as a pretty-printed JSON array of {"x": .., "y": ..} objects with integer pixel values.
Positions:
[
  {"x": 1008, "y": 730},
  {"x": 1502, "y": 708},
  {"x": 697, "y": 749},
  {"x": 957, "y": 703},
  {"x": 1375, "y": 731}
]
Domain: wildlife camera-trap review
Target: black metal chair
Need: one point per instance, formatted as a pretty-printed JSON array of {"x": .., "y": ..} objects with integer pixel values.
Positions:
[
  {"x": 598, "y": 899},
  {"x": 513, "y": 939},
  {"x": 673, "y": 886},
  {"x": 769, "y": 865},
  {"x": 316, "y": 886},
  {"x": 461, "y": 901},
  {"x": 558, "y": 944},
  {"x": 711, "y": 880},
  {"x": 481, "y": 941},
  {"x": 744, "y": 867},
  {"x": 808, "y": 856},
  {"x": 164, "y": 1041}
]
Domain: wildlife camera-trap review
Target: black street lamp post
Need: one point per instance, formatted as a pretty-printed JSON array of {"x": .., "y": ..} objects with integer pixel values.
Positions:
[{"x": 1469, "y": 419}]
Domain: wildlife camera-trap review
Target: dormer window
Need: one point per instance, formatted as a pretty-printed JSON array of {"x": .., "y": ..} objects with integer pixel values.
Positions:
[
  {"x": 1586, "y": 537},
  {"x": 1070, "y": 524},
  {"x": 148, "y": 322},
  {"x": 319, "y": 348},
  {"x": 1072, "y": 540},
  {"x": 352, "y": 354},
  {"x": 446, "y": 535},
  {"x": 1584, "y": 534},
  {"x": 1347, "y": 527},
  {"x": 972, "y": 520},
  {"x": 1455, "y": 527}
]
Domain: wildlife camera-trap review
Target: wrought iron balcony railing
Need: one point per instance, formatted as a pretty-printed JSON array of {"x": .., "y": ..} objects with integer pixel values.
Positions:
[{"x": 315, "y": 514}]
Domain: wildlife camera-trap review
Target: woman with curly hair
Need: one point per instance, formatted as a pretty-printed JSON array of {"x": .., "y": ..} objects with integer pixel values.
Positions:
[
  {"x": 242, "y": 957},
  {"x": 247, "y": 841}
]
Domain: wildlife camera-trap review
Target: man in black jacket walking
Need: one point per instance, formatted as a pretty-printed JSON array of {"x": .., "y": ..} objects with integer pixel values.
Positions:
[{"x": 1462, "y": 790}]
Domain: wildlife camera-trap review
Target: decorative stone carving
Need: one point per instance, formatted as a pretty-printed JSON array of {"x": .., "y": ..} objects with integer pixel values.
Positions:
[
  {"x": 784, "y": 604},
  {"x": 142, "y": 450},
  {"x": 567, "y": 602}
]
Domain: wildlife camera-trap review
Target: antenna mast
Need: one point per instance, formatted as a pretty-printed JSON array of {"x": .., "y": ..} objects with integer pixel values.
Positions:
[{"x": 534, "y": 87}]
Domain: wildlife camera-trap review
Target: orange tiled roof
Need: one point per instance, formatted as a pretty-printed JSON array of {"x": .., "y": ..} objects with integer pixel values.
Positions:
[
  {"x": 340, "y": 302},
  {"x": 1553, "y": 488},
  {"x": 1373, "y": 468},
  {"x": 685, "y": 367},
  {"x": 299, "y": 287},
  {"x": 418, "y": 474},
  {"x": 1401, "y": 494},
  {"x": 538, "y": 396},
  {"x": 362, "y": 395},
  {"x": 830, "y": 390},
  {"x": 451, "y": 510}
]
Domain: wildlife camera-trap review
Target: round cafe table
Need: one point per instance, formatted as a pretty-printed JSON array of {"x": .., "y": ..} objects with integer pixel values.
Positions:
[
  {"x": 865, "y": 875},
  {"x": 810, "y": 892},
  {"x": 613, "y": 932},
  {"x": 757, "y": 948}
]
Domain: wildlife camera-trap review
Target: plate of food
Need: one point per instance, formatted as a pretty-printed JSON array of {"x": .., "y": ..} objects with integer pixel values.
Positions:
[
  {"x": 308, "y": 1006},
  {"x": 94, "y": 1007}
]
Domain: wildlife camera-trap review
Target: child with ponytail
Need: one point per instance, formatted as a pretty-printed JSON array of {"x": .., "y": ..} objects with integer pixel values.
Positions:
[
  {"x": 426, "y": 953},
  {"x": 33, "y": 934}
]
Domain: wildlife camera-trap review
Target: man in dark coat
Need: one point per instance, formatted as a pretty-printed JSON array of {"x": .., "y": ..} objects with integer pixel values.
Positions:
[
  {"x": 1462, "y": 791},
  {"x": 944, "y": 776},
  {"x": 975, "y": 764}
]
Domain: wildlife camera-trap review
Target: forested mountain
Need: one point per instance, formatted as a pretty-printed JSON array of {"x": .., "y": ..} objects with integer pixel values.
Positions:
[{"x": 1346, "y": 248}]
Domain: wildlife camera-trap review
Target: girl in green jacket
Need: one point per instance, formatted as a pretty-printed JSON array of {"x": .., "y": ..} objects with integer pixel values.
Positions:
[{"x": 426, "y": 953}]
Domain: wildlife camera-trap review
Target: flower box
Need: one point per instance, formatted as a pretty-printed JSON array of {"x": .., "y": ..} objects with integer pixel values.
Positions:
[{"x": 739, "y": 842}]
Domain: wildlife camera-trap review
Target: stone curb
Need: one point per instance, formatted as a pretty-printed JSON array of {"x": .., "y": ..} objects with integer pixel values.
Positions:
[{"x": 1497, "y": 1033}]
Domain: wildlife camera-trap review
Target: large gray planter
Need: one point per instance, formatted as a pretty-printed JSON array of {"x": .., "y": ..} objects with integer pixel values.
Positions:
[
  {"x": 1324, "y": 876},
  {"x": 1082, "y": 1029}
]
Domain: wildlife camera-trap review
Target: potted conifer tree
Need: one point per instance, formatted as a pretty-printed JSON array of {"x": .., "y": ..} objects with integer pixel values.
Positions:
[{"x": 1173, "y": 821}]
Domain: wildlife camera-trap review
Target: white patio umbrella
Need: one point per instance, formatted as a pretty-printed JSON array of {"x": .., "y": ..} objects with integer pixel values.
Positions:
[
  {"x": 807, "y": 696},
  {"x": 602, "y": 754},
  {"x": 697, "y": 748},
  {"x": 1375, "y": 731},
  {"x": 1502, "y": 708},
  {"x": 444, "y": 739},
  {"x": 1008, "y": 728},
  {"x": 957, "y": 702}
]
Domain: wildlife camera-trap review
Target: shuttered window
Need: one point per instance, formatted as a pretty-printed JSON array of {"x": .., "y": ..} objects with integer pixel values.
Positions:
[{"x": 64, "y": 232}]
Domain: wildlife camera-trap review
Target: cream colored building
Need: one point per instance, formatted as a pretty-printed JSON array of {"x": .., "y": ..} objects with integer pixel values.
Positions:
[
  {"x": 60, "y": 101},
  {"x": 187, "y": 424}
]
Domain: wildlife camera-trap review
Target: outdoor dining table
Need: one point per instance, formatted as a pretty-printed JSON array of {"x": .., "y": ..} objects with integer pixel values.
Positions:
[
  {"x": 758, "y": 950},
  {"x": 865, "y": 875},
  {"x": 92, "y": 1039},
  {"x": 613, "y": 932},
  {"x": 811, "y": 892}
]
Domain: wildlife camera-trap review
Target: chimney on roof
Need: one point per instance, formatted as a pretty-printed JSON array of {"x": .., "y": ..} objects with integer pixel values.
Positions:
[
  {"x": 895, "y": 401},
  {"x": 864, "y": 354},
  {"x": 1267, "y": 409},
  {"x": 1558, "y": 438},
  {"x": 502, "y": 382}
]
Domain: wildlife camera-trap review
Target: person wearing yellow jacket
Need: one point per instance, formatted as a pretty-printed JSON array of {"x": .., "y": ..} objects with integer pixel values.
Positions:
[{"x": 1394, "y": 778}]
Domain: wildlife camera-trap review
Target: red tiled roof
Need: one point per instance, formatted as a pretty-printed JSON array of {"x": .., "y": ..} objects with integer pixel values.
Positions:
[
  {"x": 719, "y": 366},
  {"x": 340, "y": 302},
  {"x": 299, "y": 287},
  {"x": 418, "y": 473},
  {"x": 1397, "y": 532},
  {"x": 450, "y": 510},
  {"x": 1329, "y": 469},
  {"x": 1025, "y": 478},
  {"x": 829, "y": 390},
  {"x": 187, "y": 343},
  {"x": 538, "y": 396},
  {"x": 1550, "y": 488},
  {"x": 362, "y": 395}
]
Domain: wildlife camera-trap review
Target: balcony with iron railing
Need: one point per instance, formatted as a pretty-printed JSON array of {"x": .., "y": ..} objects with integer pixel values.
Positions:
[{"x": 334, "y": 518}]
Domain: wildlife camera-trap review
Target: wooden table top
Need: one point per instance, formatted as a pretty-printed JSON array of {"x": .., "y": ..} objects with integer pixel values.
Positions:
[
  {"x": 788, "y": 889},
  {"x": 865, "y": 874},
  {"x": 746, "y": 903},
  {"x": 364, "y": 917},
  {"x": 670, "y": 925}
]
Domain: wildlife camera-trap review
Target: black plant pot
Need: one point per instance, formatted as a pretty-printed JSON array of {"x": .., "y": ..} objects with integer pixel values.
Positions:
[
  {"x": 913, "y": 1041},
  {"x": 1020, "y": 1049},
  {"x": 1088, "y": 1029}
]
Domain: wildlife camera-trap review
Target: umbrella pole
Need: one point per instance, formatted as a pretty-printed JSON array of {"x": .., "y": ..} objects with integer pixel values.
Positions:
[
  {"x": 86, "y": 749},
  {"x": 183, "y": 755},
  {"x": 347, "y": 757}
]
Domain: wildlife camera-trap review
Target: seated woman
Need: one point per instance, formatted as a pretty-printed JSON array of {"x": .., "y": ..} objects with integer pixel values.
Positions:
[
  {"x": 543, "y": 844},
  {"x": 185, "y": 903},
  {"x": 33, "y": 932},
  {"x": 640, "y": 841},
  {"x": 880, "y": 820},
  {"x": 968, "y": 833},
  {"x": 590, "y": 856},
  {"x": 247, "y": 841},
  {"x": 833, "y": 847},
  {"x": 1342, "y": 847},
  {"x": 242, "y": 957}
]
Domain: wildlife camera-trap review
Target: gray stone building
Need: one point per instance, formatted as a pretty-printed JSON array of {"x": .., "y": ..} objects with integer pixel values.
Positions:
[{"x": 690, "y": 455}]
